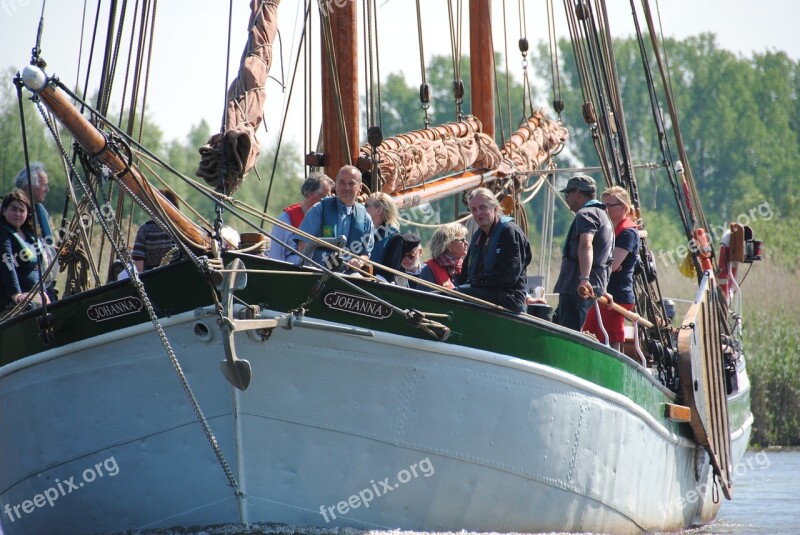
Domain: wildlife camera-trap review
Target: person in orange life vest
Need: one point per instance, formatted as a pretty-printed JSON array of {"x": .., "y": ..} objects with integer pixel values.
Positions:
[
  {"x": 388, "y": 248},
  {"x": 315, "y": 188},
  {"x": 498, "y": 256},
  {"x": 448, "y": 247},
  {"x": 620, "y": 283}
]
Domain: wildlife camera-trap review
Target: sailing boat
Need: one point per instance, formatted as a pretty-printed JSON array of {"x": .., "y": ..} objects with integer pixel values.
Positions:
[{"x": 343, "y": 401}]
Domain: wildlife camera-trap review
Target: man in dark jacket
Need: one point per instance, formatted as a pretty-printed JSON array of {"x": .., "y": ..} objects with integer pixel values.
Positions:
[
  {"x": 498, "y": 255},
  {"x": 587, "y": 253}
]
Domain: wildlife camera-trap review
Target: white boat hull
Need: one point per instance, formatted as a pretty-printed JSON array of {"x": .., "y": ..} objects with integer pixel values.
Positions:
[{"x": 335, "y": 430}]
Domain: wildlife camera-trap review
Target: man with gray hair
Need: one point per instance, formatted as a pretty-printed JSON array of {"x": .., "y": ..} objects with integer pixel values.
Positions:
[
  {"x": 315, "y": 188},
  {"x": 498, "y": 255},
  {"x": 39, "y": 186}
]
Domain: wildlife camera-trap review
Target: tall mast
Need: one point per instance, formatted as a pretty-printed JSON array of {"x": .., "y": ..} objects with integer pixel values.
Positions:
[
  {"x": 482, "y": 63},
  {"x": 343, "y": 26}
]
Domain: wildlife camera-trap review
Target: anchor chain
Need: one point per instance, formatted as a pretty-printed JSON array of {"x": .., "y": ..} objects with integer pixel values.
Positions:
[{"x": 140, "y": 290}]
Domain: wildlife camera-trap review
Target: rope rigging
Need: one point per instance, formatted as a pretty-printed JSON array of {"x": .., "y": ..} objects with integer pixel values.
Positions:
[
  {"x": 424, "y": 88},
  {"x": 555, "y": 75},
  {"x": 455, "y": 19},
  {"x": 302, "y": 45}
]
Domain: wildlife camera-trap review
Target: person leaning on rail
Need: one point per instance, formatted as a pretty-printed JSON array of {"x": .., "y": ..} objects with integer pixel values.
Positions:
[
  {"x": 620, "y": 282},
  {"x": 586, "y": 255},
  {"x": 152, "y": 242},
  {"x": 412, "y": 252}
]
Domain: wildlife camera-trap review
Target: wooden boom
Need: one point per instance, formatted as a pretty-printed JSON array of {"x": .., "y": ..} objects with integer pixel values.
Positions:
[{"x": 95, "y": 143}]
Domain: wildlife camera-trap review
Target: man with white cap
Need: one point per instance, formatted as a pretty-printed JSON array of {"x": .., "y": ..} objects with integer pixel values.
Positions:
[{"x": 587, "y": 253}]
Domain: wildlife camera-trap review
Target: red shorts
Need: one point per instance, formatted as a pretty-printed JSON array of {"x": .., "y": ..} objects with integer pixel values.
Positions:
[{"x": 613, "y": 322}]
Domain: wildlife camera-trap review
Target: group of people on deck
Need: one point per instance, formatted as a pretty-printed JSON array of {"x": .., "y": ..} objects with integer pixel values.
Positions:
[
  {"x": 489, "y": 266},
  {"x": 599, "y": 254},
  {"x": 598, "y": 258}
]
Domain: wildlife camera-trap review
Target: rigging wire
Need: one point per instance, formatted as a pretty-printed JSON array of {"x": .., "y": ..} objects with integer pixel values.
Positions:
[
  {"x": 555, "y": 75},
  {"x": 508, "y": 73},
  {"x": 46, "y": 320},
  {"x": 300, "y": 50},
  {"x": 424, "y": 88},
  {"x": 455, "y": 20},
  {"x": 378, "y": 63},
  {"x": 500, "y": 121},
  {"x": 224, "y": 125}
]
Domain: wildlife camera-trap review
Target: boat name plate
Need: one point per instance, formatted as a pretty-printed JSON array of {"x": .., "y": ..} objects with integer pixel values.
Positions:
[
  {"x": 357, "y": 304},
  {"x": 114, "y": 309}
]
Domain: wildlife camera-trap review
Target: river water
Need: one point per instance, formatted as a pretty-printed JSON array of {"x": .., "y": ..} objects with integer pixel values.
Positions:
[
  {"x": 766, "y": 489},
  {"x": 766, "y": 502}
]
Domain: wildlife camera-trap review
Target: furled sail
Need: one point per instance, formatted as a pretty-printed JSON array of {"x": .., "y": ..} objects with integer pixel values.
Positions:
[
  {"x": 534, "y": 142},
  {"x": 231, "y": 154},
  {"x": 407, "y": 160}
]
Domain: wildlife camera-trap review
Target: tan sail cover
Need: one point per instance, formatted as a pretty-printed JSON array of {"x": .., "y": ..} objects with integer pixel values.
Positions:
[
  {"x": 233, "y": 153},
  {"x": 534, "y": 142},
  {"x": 407, "y": 160}
]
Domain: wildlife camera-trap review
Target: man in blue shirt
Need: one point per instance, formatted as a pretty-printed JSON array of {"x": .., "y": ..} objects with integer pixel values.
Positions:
[
  {"x": 587, "y": 253},
  {"x": 340, "y": 216}
]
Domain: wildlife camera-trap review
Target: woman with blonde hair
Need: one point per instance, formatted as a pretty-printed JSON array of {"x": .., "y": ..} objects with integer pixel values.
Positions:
[
  {"x": 449, "y": 247},
  {"x": 388, "y": 247},
  {"x": 620, "y": 284}
]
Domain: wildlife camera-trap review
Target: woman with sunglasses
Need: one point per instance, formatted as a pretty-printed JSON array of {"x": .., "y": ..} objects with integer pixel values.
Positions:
[
  {"x": 620, "y": 283},
  {"x": 449, "y": 247}
]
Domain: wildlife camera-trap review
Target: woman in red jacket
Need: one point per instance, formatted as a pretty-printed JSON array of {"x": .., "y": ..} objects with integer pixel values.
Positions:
[{"x": 449, "y": 247}]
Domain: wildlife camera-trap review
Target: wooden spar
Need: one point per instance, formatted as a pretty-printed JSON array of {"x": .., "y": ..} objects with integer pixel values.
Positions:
[
  {"x": 443, "y": 188},
  {"x": 632, "y": 316},
  {"x": 93, "y": 142},
  {"x": 482, "y": 63},
  {"x": 344, "y": 30}
]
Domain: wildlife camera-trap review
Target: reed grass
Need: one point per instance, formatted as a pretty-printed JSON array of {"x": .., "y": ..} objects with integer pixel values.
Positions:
[{"x": 772, "y": 349}]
